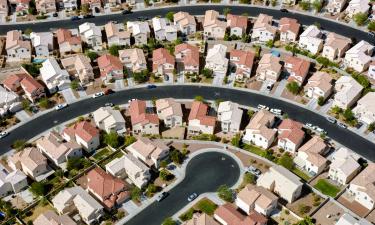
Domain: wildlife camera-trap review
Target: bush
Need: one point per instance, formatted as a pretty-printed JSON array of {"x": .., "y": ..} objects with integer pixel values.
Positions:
[
  {"x": 303, "y": 209},
  {"x": 286, "y": 161},
  {"x": 165, "y": 175},
  {"x": 236, "y": 140},
  {"x": 39, "y": 188},
  {"x": 199, "y": 98},
  {"x": 169, "y": 221},
  {"x": 360, "y": 18},
  {"x": 141, "y": 77},
  {"x": 92, "y": 55},
  {"x": 112, "y": 139},
  {"x": 135, "y": 194},
  {"x": 207, "y": 73},
  {"x": 114, "y": 49},
  {"x": 304, "y": 5},
  {"x": 249, "y": 178},
  {"x": 169, "y": 16},
  {"x": 293, "y": 87},
  {"x": 176, "y": 156},
  {"x": 321, "y": 101},
  {"x": 371, "y": 127},
  {"x": 371, "y": 26},
  {"x": 151, "y": 189},
  {"x": 225, "y": 193}
]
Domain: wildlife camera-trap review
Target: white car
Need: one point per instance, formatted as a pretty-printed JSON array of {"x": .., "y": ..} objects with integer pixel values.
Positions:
[
  {"x": 97, "y": 95},
  {"x": 310, "y": 126},
  {"x": 263, "y": 107},
  {"x": 277, "y": 111},
  {"x": 320, "y": 130},
  {"x": 192, "y": 197},
  {"x": 3, "y": 134},
  {"x": 61, "y": 106}
]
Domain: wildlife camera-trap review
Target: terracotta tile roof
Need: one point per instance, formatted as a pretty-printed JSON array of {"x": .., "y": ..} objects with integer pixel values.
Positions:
[
  {"x": 231, "y": 216},
  {"x": 299, "y": 67},
  {"x": 137, "y": 110},
  {"x": 321, "y": 80},
  {"x": 64, "y": 35},
  {"x": 337, "y": 41},
  {"x": 191, "y": 57},
  {"x": 201, "y": 219},
  {"x": 30, "y": 157},
  {"x": 14, "y": 39},
  {"x": 237, "y": 21},
  {"x": 316, "y": 145},
  {"x": 107, "y": 63},
  {"x": 291, "y": 130},
  {"x": 198, "y": 111},
  {"x": 366, "y": 180},
  {"x": 246, "y": 58},
  {"x": 85, "y": 130},
  {"x": 184, "y": 18},
  {"x": 288, "y": 24},
  {"x": 289, "y": 124},
  {"x": 161, "y": 56}
]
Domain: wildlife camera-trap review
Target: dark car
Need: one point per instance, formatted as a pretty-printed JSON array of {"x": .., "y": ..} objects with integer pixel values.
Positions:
[
  {"x": 88, "y": 16},
  {"x": 108, "y": 92},
  {"x": 74, "y": 18},
  {"x": 151, "y": 86},
  {"x": 126, "y": 11},
  {"x": 55, "y": 14},
  {"x": 284, "y": 10}
]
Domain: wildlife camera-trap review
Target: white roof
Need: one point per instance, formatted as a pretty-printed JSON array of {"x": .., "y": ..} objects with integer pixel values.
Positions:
[
  {"x": 89, "y": 29},
  {"x": 108, "y": 116},
  {"x": 138, "y": 27},
  {"x": 359, "y": 5},
  {"x": 313, "y": 34},
  {"x": 347, "y": 219},
  {"x": 217, "y": 54},
  {"x": 360, "y": 51},
  {"x": 347, "y": 88},
  {"x": 51, "y": 68},
  {"x": 345, "y": 160},
  {"x": 230, "y": 111},
  {"x": 126, "y": 162},
  {"x": 159, "y": 23},
  {"x": 6, "y": 96},
  {"x": 42, "y": 38},
  {"x": 12, "y": 178}
]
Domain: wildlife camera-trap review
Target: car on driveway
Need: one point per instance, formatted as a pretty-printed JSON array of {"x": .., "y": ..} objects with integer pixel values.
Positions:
[
  {"x": 61, "y": 106},
  {"x": 162, "y": 196},
  {"x": 278, "y": 112},
  {"x": 192, "y": 197},
  {"x": 97, "y": 95},
  {"x": 3, "y": 134},
  {"x": 253, "y": 170}
]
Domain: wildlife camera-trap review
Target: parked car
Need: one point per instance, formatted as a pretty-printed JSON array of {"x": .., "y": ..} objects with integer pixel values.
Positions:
[
  {"x": 342, "y": 125},
  {"x": 108, "y": 91},
  {"x": 109, "y": 104},
  {"x": 310, "y": 126},
  {"x": 55, "y": 14},
  {"x": 263, "y": 107},
  {"x": 162, "y": 196},
  {"x": 74, "y": 18},
  {"x": 253, "y": 170},
  {"x": 277, "y": 111},
  {"x": 97, "y": 95},
  {"x": 331, "y": 119},
  {"x": 3, "y": 134},
  {"x": 61, "y": 106},
  {"x": 320, "y": 130},
  {"x": 269, "y": 87},
  {"x": 151, "y": 86},
  {"x": 126, "y": 11},
  {"x": 284, "y": 10},
  {"x": 88, "y": 16},
  {"x": 192, "y": 197}
]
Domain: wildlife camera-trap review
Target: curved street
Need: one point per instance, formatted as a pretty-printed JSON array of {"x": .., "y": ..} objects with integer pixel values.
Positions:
[
  {"x": 204, "y": 173},
  {"x": 196, "y": 10},
  {"x": 44, "y": 122}
]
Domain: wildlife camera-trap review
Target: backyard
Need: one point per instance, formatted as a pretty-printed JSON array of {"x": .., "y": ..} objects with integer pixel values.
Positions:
[{"x": 327, "y": 188}]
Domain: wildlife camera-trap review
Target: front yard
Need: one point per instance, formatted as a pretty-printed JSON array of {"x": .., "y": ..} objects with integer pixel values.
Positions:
[{"x": 204, "y": 205}]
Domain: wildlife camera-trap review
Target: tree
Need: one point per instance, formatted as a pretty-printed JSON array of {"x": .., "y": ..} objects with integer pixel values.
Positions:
[
  {"x": 169, "y": 16},
  {"x": 226, "y": 11},
  {"x": 135, "y": 193},
  {"x": 19, "y": 144},
  {"x": 151, "y": 189},
  {"x": 113, "y": 49},
  {"x": 293, "y": 87},
  {"x": 322, "y": 60},
  {"x": 348, "y": 115},
  {"x": 169, "y": 221},
  {"x": 250, "y": 113},
  {"x": 74, "y": 85},
  {"x": 249, "y": 178},
  {"x": 74, "y": 163},
  {"x": 199, "y": 98},
  {"x": 321, "y": 101},
  {"x": 336, "y": 110},
  {"x": 141, "y": 77},
  {"x": 360, "y": 18},
  {"x": 371, "y": 127},
  {"x": 371, "y": 26},
  {"x": 207, "y": 73},
  {"x": 317, "y": 5},
  {"x": 269, "y": 43},
  {"x": 26, "y": 105},
  {"x": 176, "y": 156},
  {"x": 286, "y": 161},
  {"x": 225, "y": 193},
  {"x": 39, "y": 188},
  {"x": 92, "y": 55},
  {"x": 163, "y": 164},
  {"x": 303, "y": 209},
  {"x": 305, "y": 5},
  {"x": 32, "y": 68},
  {"x": 27, "y": 31},
  {"x": 165, "y": 175},
  {"x": 85, "y": 9},
  {"x": 44, "y": 103},
  {"x": 112, "y": 139},
  {"x": 130, "y": 140},
  {"x": 236, "y": 140}
]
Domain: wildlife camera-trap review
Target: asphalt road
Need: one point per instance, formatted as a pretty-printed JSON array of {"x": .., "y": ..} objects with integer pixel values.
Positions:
[
  {"x": 49, "y": 120},
  {"x": 195, "y": 10},
  {"x": 204, "y": 173}
]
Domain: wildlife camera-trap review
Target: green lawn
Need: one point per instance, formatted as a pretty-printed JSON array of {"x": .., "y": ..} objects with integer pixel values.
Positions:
[
  {"x": 117, "y": 155},
  {"x": 301, "y": 174},
  {"x": 253, "y": 149},
  {"x": 204, "y": 205},
  {"x": 327, "y": 188},
  {"x": 101, "y": 154}
]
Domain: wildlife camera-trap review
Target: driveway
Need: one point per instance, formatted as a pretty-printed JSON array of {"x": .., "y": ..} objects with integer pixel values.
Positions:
[
  {"x": 68, "y": 95},
  {"x": 204, "y": 173}
]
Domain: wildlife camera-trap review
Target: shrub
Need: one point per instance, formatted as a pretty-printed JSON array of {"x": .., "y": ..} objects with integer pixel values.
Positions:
[
  {"x": 225, "y": 193},
  {"x": 293, "y": 87},
  {"x": 360, "y": 18}
]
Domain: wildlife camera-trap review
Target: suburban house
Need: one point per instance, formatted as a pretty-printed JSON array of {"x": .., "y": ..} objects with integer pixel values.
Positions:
[
  {"x": 163, "y": 30},
  {"x": 237, "y": 24},
  {"x": 50, "y": 217},
  {"x": 199, "y": 121},
  {"x": 188, "y": 56},
  {"x": 297, "y": 69},
  {"x": 94, "y": 5},
  {"x": 319, "y": 85},
  {"x": 84, "y": 133},
  {"x": 256, "y": 198},
  {"x": 310, "y": 156},
  {"x": 77, "y": 199},
  {"x": 201, "y": 219},
  {"x": 289, "y": 29},
  {"x": 259, "y": 131},
  {"x": 334, "y": 7},
  {"x": 227, "y": 214},
  {"x": 150, "y": 152},
  {"x": 9, "y": 102},
  {"x": 365, "y": 109},
  {"x": 133, "y": 59},
  {"x": 359, "y": 56},
  {"x": 110, "y": 67},
  {"x": 111, "y": 191},
  {"x": 163, "y": 63},
  {"x": 13, "y": 182},
  {"x": 216, "y": 60},
  {"x": 348, "y": 91},
  {"x": 140, "y": 31},
  {"x": 53, "y": 76},
  {"x": 24, "y": 83},
  {"x": 92, "y": 35},
  {"x": 229, "y": 115},
  {"x": 362, "y": 187},
  {"x": 142, "y": 121},
  {"x": 282, "y": 182},
  {"x": 22, "y": 6},
  {"x": 57, "y": 149},
  {"x": 131, "y": 167},
  {"x": 4, "y": 8},
  {"x": 347, "y": 219},
  {"x": 79, "y": 66},
  {"x": 311, "y": 40},
  {"x": 68, "y": 43},
  {"x": 185, "y": 23},
  {"x": 263, "y": 31},
  {"x": 169, "y": 111},
  {"x": 335, "y": 46},
  {"x": 70, "y": 5},
  {"x": 242, "y": 61},
  {"x": 212, "y": 26},
  {"x": 288, "y": 2},
  {"x": 357, "y": 6},
  {"x": 344, "y": 166},
  {"x": 42, "y": 43},
  {"x": 109, "y": 120},
  {"x": 116, "y": 34},
  {"x": 31, "y": 162},
  {"x": 45, "y": 6},
  {"x": 371, "y": 70},
  {"x": 18, "y": 49},
  {"x": 269, "y": 69},
  {"x": 290, "y": 135}
]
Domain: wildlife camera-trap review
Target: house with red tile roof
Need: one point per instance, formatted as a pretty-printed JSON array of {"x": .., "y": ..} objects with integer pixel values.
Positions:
[
  {"x": 227, "y": 214},
  {"x": 199, "y": 121},
  {"x": 289, "y": 29},
  {"x": 24, "y": 83},
  {"x": 297, "y": 68},
  {"x": 68, "y": 43},
  {"x": 319, "y": 85},
  {"x": 237, "y": 24},
  {"x": 110, "y": 67},
  {"x": 201, "y": 219},
  {"x": 109, "y": 190},
  {"x": 163, "y": 63},
  {"x": 143, "y": 122},
  {"x": 243, "y": 62},
  {"x": 18, "y": 49},
  {"x": 45, "y": 6},
  {"x": 291, "y": 135},
  {"x": 84, "y": 133},
  {"x": 188, "y": 55}
]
